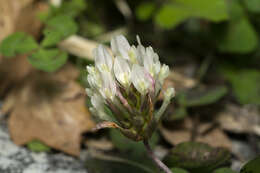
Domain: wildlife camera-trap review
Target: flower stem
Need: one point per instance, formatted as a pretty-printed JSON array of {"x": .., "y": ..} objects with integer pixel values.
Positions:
[{"x": 157, "y": 161}]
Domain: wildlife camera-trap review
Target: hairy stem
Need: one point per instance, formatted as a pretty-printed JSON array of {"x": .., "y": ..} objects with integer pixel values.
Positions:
[{"x": 157, "y": 161}]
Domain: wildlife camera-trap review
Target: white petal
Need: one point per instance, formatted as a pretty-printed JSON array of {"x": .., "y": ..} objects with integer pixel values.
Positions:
[
  {"x": 108, "y": 89},
  {"x": 97, "y": 102},
  {"x": 122, "y": 71},
  {"x": 103, "y": 60},
  {"x": 164, "y": 72},
  {"x": 120, "y": 46},
  {"x": 94, "y": 78},
  {"x": 139, "y": 79}
]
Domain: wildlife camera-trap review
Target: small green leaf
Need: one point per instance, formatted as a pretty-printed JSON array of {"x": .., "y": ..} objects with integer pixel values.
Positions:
[
  {"x": 178, "y": 170},
  {"x": 253, "y": 5},
  {"x": 224, "y": 170},
  {"x": 245, "y": 84},
  {"x": 177, "y": 11},
  {"x": 38, "y": 146},
  {"x": 48, "y": 60},
  {"x": 145, "y": 10},
  {"x": 196, "y": 157},
  {"x": 169, "y": 16},
  {"x": 252, "y": 166},
  {"x": 57, "y": 29},
  {"x": 205, "y": 97},
  {"x": 72, "y": 8},
  {"x": 17, "y": 43},
  {"x": 238, "y": 37}
]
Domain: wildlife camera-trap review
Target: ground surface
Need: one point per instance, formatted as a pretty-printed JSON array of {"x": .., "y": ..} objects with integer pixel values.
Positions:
[{"x": 14, "y": 159}]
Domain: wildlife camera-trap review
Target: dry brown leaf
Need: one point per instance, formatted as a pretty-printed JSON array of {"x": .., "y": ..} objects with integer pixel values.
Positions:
[
  {"x": 10, "y": 11},
  {"x": 50, "y": 108},
  {"x": 12, "y": 71},
  {"x": 212, "y": 136},
  {"x": 239, "y": 119}
]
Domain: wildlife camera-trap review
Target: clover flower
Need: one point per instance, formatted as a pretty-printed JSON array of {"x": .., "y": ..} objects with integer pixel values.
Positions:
[{"x": 127, "y": 84}]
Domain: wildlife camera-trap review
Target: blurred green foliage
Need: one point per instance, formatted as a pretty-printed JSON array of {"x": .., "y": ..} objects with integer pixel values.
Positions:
[
  {"x": 252, "y": 166},
  {"x": 224, "y": 170},
  {"x": 60, "y": 23},
  {"x": 177, "y": 11},
  {"x": 197, "y": 157},
  {"x": 17, "y": 43},
  {"x": 38, "y": 146}
]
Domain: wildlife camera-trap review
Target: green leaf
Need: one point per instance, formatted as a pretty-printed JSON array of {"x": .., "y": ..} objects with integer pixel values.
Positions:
[
  {"x": 145, "y": 10},
  {"x": 17, "y": 43},
  {"x": 48, "y": 60},
  {"x": 253, "y": 5},
  {"x": 72, "y": 8},
  {"x": 169, "y": 16},
  {"x": 224, "y": 170},
  {"x": 238, "y": 37},
  {"x": 178, "y": 170},
  {"x": 206, "y": 96},
  {"x": 245, "y": 85},
  {"x": 196, "y": 157},
  {"x": 38, "y": 146},
  {"x": 57, "y": 29},
  {"x": 176, "y": 12},
  {"x": 252, "y": 166}
]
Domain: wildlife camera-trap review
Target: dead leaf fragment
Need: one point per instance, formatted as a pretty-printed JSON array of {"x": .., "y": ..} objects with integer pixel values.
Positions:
[
  {"x": 50, "y": 108},
  {"x": 239, "y": 119},
  {"x": 206, "y": 134},
  {"x": 100, "y": 144}
]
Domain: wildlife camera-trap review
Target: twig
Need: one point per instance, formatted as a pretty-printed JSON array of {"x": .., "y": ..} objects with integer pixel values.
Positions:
[
  {"x": 124, "y": 8},
  {"x": 79, "y": 46},
  {"x": 157, "y": 161}
]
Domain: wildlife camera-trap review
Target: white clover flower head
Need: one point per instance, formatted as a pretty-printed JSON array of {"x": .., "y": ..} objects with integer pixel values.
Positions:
[{"x": 128, "y": 82}]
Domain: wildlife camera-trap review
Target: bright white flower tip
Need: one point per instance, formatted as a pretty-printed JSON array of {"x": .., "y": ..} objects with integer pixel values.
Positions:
[
  {"x": 122, "y": 71},
  {"x": 120, "y": 46},
  {"x": 139, "y": 79},
  {"x": 103, "y": 60},
  {"x": 169, "y": 93},
  {"x": 151, "y": 62},
  {"x": 93, "y": 78},
  {"x": 108, "y": 89},
  {"x": 164, "y": 72}
]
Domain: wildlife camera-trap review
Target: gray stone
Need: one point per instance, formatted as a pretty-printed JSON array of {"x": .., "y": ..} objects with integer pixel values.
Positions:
[{"x": 16, "y": 159}]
